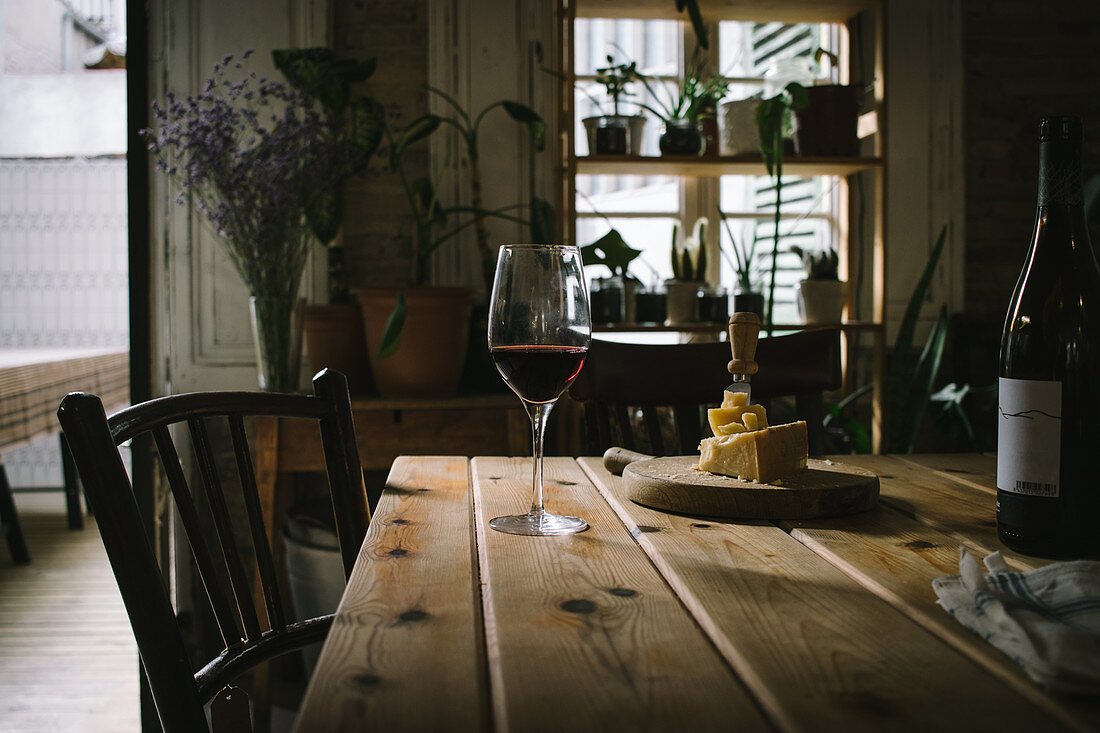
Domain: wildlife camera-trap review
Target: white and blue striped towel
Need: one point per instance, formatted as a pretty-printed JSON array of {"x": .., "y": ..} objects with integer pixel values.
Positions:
[{"x": 1047, "y": 619}]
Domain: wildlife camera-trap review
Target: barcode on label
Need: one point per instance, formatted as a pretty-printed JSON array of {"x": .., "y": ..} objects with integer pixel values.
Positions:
[{"x": 1035, "y": 488}]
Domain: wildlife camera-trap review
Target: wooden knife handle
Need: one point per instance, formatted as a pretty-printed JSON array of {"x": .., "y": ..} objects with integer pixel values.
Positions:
[
  {"x": 744, "y": 329},
  {"x": 616, "y": 459}
]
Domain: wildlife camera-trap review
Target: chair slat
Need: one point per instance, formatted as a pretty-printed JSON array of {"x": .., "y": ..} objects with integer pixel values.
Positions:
[
  {"x": 688, "y": 430},
  {"x": 189, "y": 517},
  {"x": 626, "y": 427},
  {"x": 651, "y": 418},
  {"x": 223, "y": 527},
  {"x": 265, "y": 566}
]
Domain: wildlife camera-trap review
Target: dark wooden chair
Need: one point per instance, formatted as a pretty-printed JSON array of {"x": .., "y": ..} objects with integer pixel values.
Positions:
[
  {"x": 221, "y": 557},
  {"x": 653, "y": 398}
]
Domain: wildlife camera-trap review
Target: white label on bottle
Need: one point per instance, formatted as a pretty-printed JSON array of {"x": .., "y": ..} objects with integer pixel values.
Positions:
[{"x": 1029, "y": 436}]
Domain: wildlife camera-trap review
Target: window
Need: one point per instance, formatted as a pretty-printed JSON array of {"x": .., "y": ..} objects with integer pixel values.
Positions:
[{"x": 755, "y": 58}]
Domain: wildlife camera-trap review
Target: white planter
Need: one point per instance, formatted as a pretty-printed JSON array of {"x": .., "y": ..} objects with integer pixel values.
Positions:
[
  {"x": 821, "y": 301},
  {"x": 682, "y": 297},
  {"x": 737, "y": 133}
]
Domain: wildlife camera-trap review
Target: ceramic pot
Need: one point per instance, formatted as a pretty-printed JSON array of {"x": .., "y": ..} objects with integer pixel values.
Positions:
[
  {"x": 335, "y": 340},
  {"x": 681, "y": 137},
  {"x": 826, "y": 126},
  {"x": 737, "y": 132},
  {"x": 682, "y": 299},
  {"x": 821, "y": 301},
  {"x": 607, "y": 134},
  {"x": 748, "y": 301},
  {"x": 650, "y": 306},
  {"x": 432, "y": 347}
]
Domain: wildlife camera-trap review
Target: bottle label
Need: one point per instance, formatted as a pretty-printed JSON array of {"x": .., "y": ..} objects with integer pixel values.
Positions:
[{"x": 1029, "y": 436}]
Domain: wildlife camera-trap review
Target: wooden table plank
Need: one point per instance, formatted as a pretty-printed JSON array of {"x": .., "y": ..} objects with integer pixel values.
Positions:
[
  {"x": 972, "y": 469},
  {"x": 406, "y": 650},
  {"x": 582, "y": 632},
  {"x": 818, "y": 650},
  {"x": 896, "y": 558},
  {"x": 942, "y": 501}
]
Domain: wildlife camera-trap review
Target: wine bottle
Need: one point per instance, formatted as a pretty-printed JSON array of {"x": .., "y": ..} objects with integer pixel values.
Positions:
[{"x": 1048, "y": 437}]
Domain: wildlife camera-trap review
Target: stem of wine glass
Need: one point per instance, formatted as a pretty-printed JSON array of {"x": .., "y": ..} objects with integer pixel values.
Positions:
[{"x": 539, "y": 412}]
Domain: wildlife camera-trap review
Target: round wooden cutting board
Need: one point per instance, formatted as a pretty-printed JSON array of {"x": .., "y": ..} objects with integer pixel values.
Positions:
[{"x": 823, "y": 489}]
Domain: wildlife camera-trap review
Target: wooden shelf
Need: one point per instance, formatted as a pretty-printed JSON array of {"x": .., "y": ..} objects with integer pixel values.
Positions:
[
  {"x": 744, "y": 165},
  {"x": 759, "y": 11},
  {"x": 720, "y": 327}
]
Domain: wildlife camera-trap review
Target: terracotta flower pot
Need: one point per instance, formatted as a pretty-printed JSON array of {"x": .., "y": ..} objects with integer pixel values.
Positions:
[
  {"x": 432, "y": 348},
  {"x": 335, "y": 340}
]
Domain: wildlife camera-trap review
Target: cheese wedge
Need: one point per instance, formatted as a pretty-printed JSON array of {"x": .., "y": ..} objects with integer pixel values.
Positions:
[
  {"x": 734, "y": 399},
  {"x": 727, "y": 420},
  {"x": 761, "y": 455}
]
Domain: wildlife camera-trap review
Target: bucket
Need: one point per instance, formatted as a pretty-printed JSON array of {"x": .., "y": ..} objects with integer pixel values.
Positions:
[{"x": 313, "y": 565}]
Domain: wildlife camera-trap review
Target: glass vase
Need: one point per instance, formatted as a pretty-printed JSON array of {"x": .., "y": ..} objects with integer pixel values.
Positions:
[{"x": 276, "y": 338}]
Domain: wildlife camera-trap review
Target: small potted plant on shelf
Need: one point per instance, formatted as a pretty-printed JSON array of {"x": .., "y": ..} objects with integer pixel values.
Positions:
[
  {"x": 821, "y": 295},
  {"x": 615, "y": 133},
  {"x": 683, "y": 112},
  {"x": 745, "y": 297},
  {"x": 612, "y": 297},
  {"x": 689, "y": 266},
  {"x": 827, "y": 124}
]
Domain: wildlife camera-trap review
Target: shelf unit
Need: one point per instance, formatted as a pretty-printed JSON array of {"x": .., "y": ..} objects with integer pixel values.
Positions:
[{"x": 872, "y": 125}]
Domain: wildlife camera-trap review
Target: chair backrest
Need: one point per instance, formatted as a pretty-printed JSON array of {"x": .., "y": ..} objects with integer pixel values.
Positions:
[
  {"x": 626, "y": 388},
  {"x": 221, "y": 557}
]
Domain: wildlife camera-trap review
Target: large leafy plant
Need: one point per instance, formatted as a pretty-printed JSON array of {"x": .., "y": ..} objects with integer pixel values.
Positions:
[
  {"x": 909, "y": 383},
  {"x": 438, "y": 223},
  {"x": 773, "y": 118}
]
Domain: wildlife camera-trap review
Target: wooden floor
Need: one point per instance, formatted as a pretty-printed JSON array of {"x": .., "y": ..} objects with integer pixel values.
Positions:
[{"x": 68, "y": 661}]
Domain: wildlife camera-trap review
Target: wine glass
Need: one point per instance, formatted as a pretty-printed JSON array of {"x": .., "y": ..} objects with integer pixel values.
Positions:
[{"x": 539, "y": 331}]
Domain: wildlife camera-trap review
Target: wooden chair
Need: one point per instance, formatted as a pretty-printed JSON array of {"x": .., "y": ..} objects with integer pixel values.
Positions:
[
  {"x": 178, "y": 690},
  {"x": 621, "y": 380}
]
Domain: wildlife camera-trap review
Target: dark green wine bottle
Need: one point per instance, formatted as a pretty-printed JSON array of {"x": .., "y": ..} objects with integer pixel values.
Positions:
[{"x": 1048, "y": 493}]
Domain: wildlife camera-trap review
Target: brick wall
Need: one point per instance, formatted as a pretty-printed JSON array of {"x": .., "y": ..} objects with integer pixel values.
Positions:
[
  {"x": 1022, "y": 60},
  {"x": 377, "y": 225}
]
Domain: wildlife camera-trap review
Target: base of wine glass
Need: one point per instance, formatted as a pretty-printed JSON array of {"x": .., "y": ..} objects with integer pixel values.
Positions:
[{"x": 538, "y": 524}]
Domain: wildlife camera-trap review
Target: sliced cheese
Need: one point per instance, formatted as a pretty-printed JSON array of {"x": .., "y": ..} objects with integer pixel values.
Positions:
[
  {"x": 734, "y": 399},
  {"x": 728, "y": 420},
  {"x": 762, "y": 455}
]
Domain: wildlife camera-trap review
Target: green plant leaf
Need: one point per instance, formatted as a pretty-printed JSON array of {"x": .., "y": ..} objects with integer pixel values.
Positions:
[
  {"x": 898, "y": 376},
  {"x": 313, "y": 71},
  {"x": 919, "y": 389},
  {"x": 611, "y": 251},
  {"x": 355, "y": 71},
  {"x": 364, "y": 125},
  {"x": 418, "y": 129},
  {"x": 544, "y": 229},
  {"x": 696, "y": 18},
  {"x": 531, "y": 118},
  {"x": 324, "y": 214},
  {"x": 391, "y": 336}
]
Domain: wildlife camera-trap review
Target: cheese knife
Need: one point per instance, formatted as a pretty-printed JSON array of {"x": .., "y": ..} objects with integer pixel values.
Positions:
[{"x": 744, "y": 330}]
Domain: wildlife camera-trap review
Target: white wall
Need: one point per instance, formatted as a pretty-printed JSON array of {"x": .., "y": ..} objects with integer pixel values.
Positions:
[{"x": 63, "y": 115}]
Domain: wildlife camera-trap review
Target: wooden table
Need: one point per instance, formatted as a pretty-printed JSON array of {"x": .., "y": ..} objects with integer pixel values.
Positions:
[
  {"x": 659, "y": 622},
  {"x": 32, "y": 384}
]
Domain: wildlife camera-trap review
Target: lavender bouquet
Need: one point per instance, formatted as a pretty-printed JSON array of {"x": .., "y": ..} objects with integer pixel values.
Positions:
[{"x": 264, "y": 161}]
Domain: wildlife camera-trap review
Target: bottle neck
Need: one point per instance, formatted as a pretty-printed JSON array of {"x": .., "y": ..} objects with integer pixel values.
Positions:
[{"x": 1060, "y": 182}]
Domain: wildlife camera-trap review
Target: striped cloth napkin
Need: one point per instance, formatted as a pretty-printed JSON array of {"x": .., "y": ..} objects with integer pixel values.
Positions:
[{"x": 1047, "y": 619}]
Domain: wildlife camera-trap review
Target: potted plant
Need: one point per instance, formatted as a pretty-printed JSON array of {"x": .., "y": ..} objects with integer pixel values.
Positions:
[
  {"x": 262, "y": 159},
  {"x": 745, "y": 296},
  {"x": 773, "y": 119},
  {"x": 827, "y": 124},
  {"x": 681, "y": 113},
  {"x": 417, "y": 335},
  {"x": 689, "y": 266},
  {"x": 821, "y": 294},
  {"x": 333, "y": 330},
  {"x": 611, "y": 298},
  {"x": 615, "y": 133}
]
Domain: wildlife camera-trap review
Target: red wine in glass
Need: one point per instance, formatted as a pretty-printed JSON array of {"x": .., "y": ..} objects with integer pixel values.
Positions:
[{"x": 538, "y": 373}]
